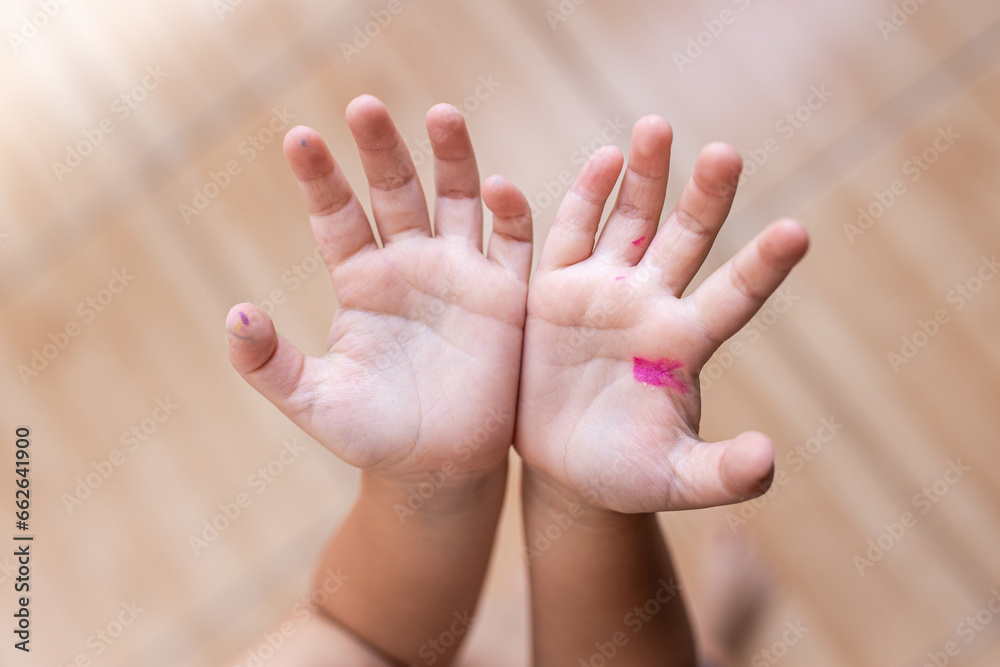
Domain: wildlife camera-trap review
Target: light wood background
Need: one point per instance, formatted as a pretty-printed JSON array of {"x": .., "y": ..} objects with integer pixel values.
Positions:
[{"x": 557, "y": 87}]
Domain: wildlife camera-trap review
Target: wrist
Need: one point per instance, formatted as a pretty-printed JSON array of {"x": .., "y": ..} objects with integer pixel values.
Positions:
[
  {"x": 544, "y": 496},
  {"x": 435, "y": 492}
]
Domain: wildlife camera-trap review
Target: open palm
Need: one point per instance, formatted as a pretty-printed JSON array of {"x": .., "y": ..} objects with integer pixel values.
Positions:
[
  {"x": 610, "y": 401},
  {"x": 422, "y": 366}
]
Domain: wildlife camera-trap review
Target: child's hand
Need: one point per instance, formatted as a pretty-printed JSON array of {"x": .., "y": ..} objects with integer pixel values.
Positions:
[
  {"x": 610, "y": 401},
  {"x": 421, "y": 371}
]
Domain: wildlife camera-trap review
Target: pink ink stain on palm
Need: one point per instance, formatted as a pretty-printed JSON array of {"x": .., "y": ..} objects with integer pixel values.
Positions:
[
  {"x": 658, "y": 373},
  {"x": 620, "y": 278},
  {"x": 639, "y": 241}
]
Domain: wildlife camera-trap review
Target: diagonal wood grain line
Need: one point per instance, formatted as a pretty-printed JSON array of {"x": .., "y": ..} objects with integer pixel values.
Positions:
[{"x": 156, "y": 167}]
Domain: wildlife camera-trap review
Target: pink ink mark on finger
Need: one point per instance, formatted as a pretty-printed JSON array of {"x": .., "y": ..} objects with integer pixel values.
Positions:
[
  {"x": 658, "y": 373},
  {"x": 639, "y": 241},
  {"x": 245, "y": 319}
]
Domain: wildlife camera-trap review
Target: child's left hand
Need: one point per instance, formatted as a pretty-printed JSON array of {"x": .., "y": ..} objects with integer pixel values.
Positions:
[{"x": 610, "y": 400}]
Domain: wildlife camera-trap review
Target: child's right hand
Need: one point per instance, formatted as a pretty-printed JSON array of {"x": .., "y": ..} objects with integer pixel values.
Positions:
[
  {"x": 610, "y": 401},
  {"x": 421, "y": 371}
]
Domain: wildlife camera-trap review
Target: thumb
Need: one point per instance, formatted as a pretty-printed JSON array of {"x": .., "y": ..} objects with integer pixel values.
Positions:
[
  {"x": 268, "y": 362},
  {"x": 729, "y": 471}
]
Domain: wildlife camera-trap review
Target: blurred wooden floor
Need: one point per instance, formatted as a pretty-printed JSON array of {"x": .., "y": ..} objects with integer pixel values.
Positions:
[{"x": 903, "y": 124}]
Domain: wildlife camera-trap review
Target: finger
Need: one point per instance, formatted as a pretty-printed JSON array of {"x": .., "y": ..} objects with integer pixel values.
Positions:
[
  {"x": 268, "y": 362},
  {"x": 398, "y": 203},
  {"x": 735, "y": 292},
  {"x": 510, "y": 241},
  {"x": 726, "y": 472},
  {"x": 636, "y": 214},
  {"x": 338, "y": 220},
  {"x": 571, "y": 238},
  {"x": 682, "y": 244},
  {"x": 458, "y": 210}
]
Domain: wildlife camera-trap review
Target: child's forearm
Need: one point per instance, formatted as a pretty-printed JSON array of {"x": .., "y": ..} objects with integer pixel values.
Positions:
[
  {"x": 412, "y": 556},
  {"x": 602, "y": 584}
]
